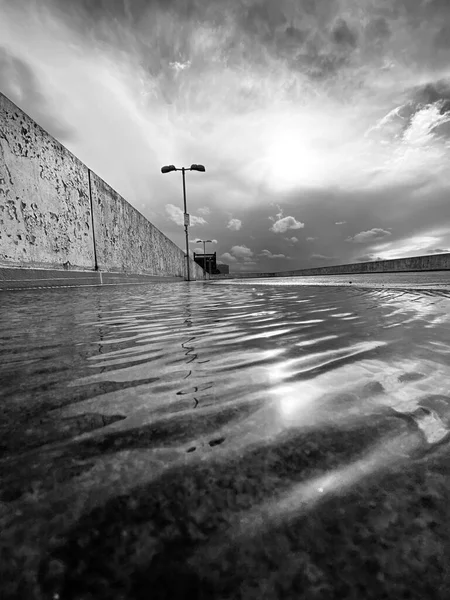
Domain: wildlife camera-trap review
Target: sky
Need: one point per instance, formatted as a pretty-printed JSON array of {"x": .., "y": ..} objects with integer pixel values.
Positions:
[{"x": 323, "y": 125}]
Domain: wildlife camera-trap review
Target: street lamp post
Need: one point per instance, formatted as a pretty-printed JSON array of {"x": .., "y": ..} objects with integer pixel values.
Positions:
[
  {"x": 168, "y": 169},
  {"x": 204, "y": 242}
]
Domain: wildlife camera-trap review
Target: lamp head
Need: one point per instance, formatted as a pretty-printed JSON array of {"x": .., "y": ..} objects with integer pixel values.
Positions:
[
  {"x": 168, "y": 169},
  {"x": 198, "y": 168}
]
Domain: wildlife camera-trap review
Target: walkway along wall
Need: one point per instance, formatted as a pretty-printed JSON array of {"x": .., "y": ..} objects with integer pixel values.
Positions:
[
  {"x": 431, "y": 262},
  {"x": 55, "y": 213}
]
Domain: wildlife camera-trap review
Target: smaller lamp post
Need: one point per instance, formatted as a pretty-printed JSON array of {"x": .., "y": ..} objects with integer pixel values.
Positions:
[{"x": 204, "y": 242}]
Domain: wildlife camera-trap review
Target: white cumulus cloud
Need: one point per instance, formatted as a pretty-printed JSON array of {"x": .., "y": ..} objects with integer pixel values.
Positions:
[
  {"x": 234, "y": 224},
  {"x": 241, "y": 252},
  {"x": 285, "y": 223},
  {"x": 228, "y": 258}
]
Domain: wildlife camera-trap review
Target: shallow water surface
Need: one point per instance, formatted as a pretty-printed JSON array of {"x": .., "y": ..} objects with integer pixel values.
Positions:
[{"x": 261, "y": 440}]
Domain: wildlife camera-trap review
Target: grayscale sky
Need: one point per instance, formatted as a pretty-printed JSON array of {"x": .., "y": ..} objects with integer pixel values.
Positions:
[{"x": 324, "y": 125}]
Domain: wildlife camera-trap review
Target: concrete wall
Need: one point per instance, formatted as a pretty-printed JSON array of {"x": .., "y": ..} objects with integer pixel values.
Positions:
[
  {"x": 431, "y": 262},
  {"x": 45, "y": 212},
  {"x": 57, "y": 214}
]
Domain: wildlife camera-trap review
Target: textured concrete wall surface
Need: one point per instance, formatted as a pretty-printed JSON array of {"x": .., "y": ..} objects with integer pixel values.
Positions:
[
  {"x": 57, "y": 213},
  {"x": 430, "y": 262},
  {"x": 45, "y": 212}
]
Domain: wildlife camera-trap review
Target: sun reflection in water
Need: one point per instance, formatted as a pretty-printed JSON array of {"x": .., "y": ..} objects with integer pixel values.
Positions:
[{"x": 303, "y": 497}]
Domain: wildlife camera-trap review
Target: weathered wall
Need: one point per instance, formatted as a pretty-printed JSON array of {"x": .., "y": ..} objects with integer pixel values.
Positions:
[
  {"x": 56, "y": 213},
  {"x": 431, "y": 262},
  {"x": 45, "y": 213}
]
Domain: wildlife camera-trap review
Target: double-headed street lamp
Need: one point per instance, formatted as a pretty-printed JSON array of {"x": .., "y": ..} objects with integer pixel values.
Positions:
[
  {"x": 168, "y": 169},
  {"x": 204, "y": 242}
]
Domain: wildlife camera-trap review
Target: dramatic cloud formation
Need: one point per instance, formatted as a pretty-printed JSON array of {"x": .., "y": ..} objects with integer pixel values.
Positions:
[{"x": 335, "y": 112}]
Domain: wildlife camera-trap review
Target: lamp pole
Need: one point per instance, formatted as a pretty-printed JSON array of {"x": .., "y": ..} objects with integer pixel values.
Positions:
[
  {"x": 194, "y": 167},
  {"x": 186, "y": 223}
]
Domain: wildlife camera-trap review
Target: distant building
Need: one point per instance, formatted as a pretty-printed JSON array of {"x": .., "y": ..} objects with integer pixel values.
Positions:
[{"x": 207, "y": 262}]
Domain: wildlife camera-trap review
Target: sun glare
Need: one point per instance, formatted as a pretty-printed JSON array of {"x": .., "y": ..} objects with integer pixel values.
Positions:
[{"x": 290, "y": 162}]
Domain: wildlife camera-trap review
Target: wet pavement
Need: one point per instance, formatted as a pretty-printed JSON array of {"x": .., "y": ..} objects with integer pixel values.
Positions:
[{"x": 226, "y": 440}]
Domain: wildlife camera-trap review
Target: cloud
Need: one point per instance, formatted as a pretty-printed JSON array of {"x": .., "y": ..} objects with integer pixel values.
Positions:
[
  {"x": 440, "y": 250},
  {"x": 371, "y": 235},
  {"x": 340, "y": 222},
  {"x": 442, "y": 39},
  {"x": 228, "y": 258},
  {"x": 285, "y": 223},
  {"x": 239, "y": 255},
  {"x": 377, "y": 30},
  {"x": 311, "y": 239},
  {"x": 268, "y": 254},
  {"x": 204, "y": 211},
  {"x": 422, "y": 243},
  {"x": 234, "y": 224},
  {"x": 343, "y": 35},
  {"x": 241, "y": 252},
  {"x": 292, "y": 239},
  {"x": 176, "y": 215},
  {"x": 179, "y": 66}
]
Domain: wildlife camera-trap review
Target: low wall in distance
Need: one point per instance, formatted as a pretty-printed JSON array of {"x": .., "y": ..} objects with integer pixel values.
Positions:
[
  {"x": 55, "y": 213},
  {"x": 431, "y": 262}
]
